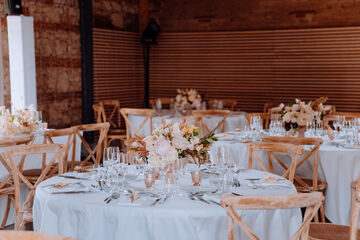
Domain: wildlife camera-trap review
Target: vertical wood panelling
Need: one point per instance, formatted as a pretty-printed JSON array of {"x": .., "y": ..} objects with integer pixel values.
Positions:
[
  {"x": 118, "y": 67},
  {"x": 255, "y": 67}
]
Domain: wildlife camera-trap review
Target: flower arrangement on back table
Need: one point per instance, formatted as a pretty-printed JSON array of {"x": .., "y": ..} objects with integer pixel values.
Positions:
[
  {"x": 173, "y": 141},
  {"x": 21, "y": 121},
  {"x": 298, "y": 114},
  {"x": 188, "y": 98}
]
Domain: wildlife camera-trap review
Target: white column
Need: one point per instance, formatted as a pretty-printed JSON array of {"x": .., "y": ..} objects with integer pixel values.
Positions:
[{"x": 22, "y": 61}]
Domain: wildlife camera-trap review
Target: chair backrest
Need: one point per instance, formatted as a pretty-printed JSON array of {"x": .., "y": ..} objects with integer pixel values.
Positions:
[
  {"x": 314, "y": 142},
  {"x": 355, "y": 211},
  {"x": 164, "y": 101},
  {"x": 7, "y": 142},
  {"x": 333, "y": 117},
  {"x": 271, "y": 149},
  {"x": 312, "y": 202},
  {"x": 132, "y": 130},
  {"x": 70, "y": 144},
  {"x": 201, "y": 114},
  {"x": 265, "y": 117},
  {"x": 18, "y": 177},
  {"x": 229, "y": 104},
  {"x": 269, "y": 105},
  {"x": 108, "y": 111},
  {"x": 28, "y": 235},
  {"x": 95, "y": 153}
]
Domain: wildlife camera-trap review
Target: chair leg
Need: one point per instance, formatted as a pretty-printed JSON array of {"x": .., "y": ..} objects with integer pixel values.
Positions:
[
  {"x": 322, "y": 212},
  {"x": 6, "y": 215}
]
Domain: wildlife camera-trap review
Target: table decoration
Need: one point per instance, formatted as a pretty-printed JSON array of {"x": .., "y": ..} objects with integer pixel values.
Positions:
[
  {"x": 298, "y": 115},
  {"x": 187, "y": 99}
]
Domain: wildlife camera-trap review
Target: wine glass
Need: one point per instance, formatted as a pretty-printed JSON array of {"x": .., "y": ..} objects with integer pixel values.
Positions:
[{"x": 158, "y": 105}]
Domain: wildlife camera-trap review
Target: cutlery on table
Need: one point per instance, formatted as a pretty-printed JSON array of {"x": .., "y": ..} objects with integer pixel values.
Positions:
[
  {"x": 155, "y": 202},
  {"x": 113, "y": 196},
  {"x": 72, "y": 177}
]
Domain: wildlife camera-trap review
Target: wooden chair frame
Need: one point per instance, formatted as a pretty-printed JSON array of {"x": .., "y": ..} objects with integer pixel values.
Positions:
[
  {"x": 332, "y": 117},
  {"x": 95, "y": 154},
  {"x": 6, "y": 186},
  {"x": 199, "y": 118},
  {"x": 311, "y": 201},
  {"x": 355, "y": 211},
  {"x": 229, "y": 103},
  {"x": 23, "y": 214},
  {"x": 305, "y": 187},
  {"x": 271, "y": 148},
  {"x": 115, "y": 132},
  {"x": 70, "y": 142},
  {"x": 125, "y": 112},
  {"x": 269, "y": 105},
  {"x": 265, "y": 117},
  {"x": 28, "y": 235},
  {"x": 164, "y": 100}
]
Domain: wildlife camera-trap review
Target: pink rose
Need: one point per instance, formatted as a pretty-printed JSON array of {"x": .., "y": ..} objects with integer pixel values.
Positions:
[{"x": 162, "y": 147}]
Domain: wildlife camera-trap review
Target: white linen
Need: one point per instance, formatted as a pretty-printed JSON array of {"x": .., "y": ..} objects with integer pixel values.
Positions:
[
  {"x": 233, "y": 121},
  {"x": 86, "y": 216},
  {"x": 31, "y": 162},
  {"x": 338, "y": 166}
]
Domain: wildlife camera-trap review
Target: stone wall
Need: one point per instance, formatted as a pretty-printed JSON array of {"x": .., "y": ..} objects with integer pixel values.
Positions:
[
  {"x": 116, "y": 14},
  {"x": 227, "y": 15},
  {"x": 58, "y": 59}
]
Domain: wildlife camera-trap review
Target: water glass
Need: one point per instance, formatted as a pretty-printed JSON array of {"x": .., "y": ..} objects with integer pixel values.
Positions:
[
  {"x": 149, "y": 180},
  {"x": 196, "y": 177}
]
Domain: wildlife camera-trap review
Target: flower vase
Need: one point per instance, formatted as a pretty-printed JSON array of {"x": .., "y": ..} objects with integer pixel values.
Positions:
[{"x": 301, "y": 131}]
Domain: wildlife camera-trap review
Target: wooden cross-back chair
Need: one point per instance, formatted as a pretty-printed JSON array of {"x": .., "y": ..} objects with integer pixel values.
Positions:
[
  {"x": 28, "y": 235},
  {"x": 265, "y": 117},
  {"x": 310, "y": 201},
  {"x": 114, "y": 118},
  {"x": 164, "y": 101},
  {"x": 329, "y": 119},
  {"x": 201, "y": 114},
  {"x": 23, "y": 212},
  {"x": 94, "y": 153},
  {"x": 132, "y": 130},
  {"x": 269, "y": 105},
  {"x": 69, "y": 160},
  {"x": 305, "y": 185},
  {"x": 6, "y": 185},
  {"x": 271, "y": 149},
  {"x": 320, "y": 231},
  {"x": 229, "y": 104}
]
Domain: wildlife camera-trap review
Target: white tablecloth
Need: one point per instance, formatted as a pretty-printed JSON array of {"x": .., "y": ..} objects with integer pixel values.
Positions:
[
  {"x": 233, "y": 121},
  {"x": 86, "y": 216},
  {"x": 337, "y": 166},
  {"x": 31, "y": 162}
]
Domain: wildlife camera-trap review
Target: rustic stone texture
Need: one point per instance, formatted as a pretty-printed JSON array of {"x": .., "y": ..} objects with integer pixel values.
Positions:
[
  {"x": 227, "y": 15},
  {"x": 58, "y": 58},
  {"x": 116, "y": 14}
]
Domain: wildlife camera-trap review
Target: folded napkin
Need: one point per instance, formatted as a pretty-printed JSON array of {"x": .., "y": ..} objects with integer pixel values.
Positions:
[{"x": 66, "y": 188}]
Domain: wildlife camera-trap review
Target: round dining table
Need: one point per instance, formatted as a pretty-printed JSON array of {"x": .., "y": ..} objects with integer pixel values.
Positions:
[
  {"x": 339, "y": 165},
  {"x": 233, "y": 121},
  {"x": 85, "y": 215}
]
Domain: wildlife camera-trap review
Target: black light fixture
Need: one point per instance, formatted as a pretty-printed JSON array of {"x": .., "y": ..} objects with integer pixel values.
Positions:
[{"x": 148, "y": 38}]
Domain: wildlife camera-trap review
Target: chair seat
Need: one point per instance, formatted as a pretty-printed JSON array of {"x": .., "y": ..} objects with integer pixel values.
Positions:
[
  {"x": 116, "y": 131},
  {"x": 32, "y": 172},
  {"x": 321, "y": 186},
  {"x": 328, "y": 231}
]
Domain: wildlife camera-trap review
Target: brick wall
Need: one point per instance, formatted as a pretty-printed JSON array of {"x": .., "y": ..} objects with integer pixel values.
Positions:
[
  {"x": 116, "y": 14},
  {"x": 227, "y": 15},
  {"x": 58, "y": 59}
]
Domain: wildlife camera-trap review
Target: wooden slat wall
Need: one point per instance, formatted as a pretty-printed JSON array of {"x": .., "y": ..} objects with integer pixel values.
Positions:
[
  {"x": 255, "y": 67},
  {"x": 118, "y": 67}
]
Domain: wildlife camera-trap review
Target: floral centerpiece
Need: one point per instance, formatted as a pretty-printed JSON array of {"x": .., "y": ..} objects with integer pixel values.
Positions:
[
  {"x": 188, "y": 99},
  {"x": 300, "y": 113},
  {"x": 171, "y": 142},
  {"x": 22, "y": 121}
]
